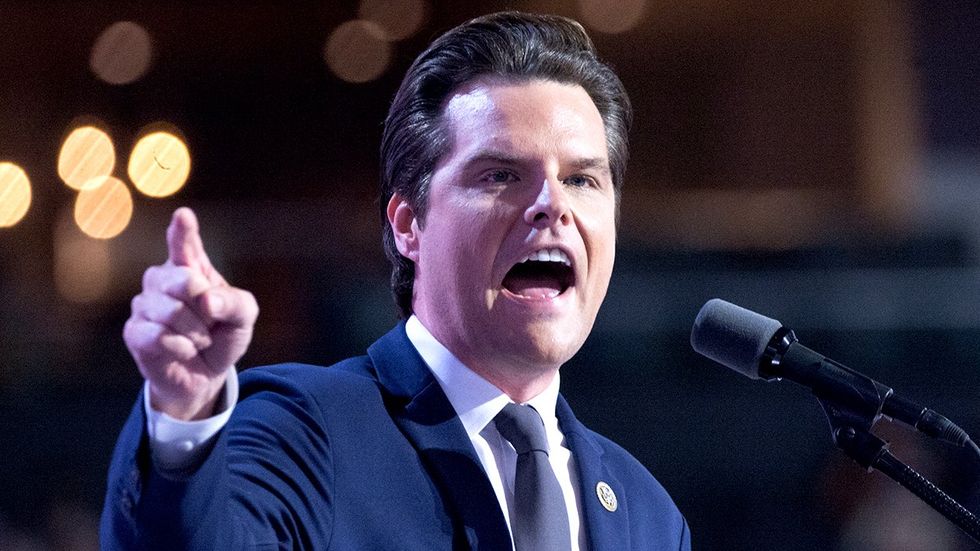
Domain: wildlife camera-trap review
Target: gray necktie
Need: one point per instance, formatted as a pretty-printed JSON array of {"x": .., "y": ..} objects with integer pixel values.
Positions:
[{"x": 540, "y": 520}]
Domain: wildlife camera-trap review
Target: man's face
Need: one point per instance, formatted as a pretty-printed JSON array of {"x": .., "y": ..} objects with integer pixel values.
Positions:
[{"x": 516, "y": 250}]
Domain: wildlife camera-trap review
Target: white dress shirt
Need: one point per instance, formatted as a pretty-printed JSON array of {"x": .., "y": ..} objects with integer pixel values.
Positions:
[
  {"x": 477, "y": 402},
  {"x": 176, "y": 445}
]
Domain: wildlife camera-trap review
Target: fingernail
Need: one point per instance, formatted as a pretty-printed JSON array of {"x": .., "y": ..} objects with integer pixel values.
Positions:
[{"x": 215, "y": 304}]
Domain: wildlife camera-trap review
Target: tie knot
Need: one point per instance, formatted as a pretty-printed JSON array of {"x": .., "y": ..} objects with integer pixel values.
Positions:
[{"x": 523, "y": 428}]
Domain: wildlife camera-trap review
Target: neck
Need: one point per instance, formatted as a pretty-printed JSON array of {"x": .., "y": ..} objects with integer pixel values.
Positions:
[
  {"x": 516, "y": 376},
  {"x": 521, "y": 386}
]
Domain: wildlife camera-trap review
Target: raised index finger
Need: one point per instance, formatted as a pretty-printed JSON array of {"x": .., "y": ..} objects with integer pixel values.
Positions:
[{"x": 184, "y": 245}]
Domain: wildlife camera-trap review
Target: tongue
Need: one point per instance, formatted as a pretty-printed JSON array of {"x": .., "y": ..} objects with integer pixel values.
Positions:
[{"x": 533, "y": 285}]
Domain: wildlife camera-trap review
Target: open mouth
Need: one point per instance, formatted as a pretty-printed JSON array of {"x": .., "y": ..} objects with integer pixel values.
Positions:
[{"x": 546, "y": 273}]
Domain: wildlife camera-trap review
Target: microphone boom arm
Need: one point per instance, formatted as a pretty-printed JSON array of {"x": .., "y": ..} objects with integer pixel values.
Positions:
[
  {"x": 872, "y": 453},
  {"x": 853, "y": 403}
]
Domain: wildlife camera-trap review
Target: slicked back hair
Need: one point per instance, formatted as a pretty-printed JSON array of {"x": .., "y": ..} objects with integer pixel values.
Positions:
[{"x": 511, "y": 46}]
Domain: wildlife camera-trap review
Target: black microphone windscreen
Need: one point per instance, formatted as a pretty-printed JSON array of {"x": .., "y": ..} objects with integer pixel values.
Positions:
[{"x": 732, "y": 336}]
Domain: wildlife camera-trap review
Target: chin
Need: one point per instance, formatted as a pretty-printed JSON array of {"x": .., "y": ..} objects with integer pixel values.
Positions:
[{"x": 554, "y": 347}]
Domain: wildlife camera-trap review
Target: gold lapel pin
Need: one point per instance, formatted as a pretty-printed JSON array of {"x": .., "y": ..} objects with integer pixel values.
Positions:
[{"x": 607, "y": 497}]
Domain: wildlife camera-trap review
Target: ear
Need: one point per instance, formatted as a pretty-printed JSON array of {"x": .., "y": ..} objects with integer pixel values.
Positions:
[{"x": 405, "y": 227}]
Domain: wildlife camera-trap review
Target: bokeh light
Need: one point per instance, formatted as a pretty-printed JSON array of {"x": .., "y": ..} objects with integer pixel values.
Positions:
[
  {"x": 122, "y": 53},
  {"x": 82, "y": 265},
  {"x": 357, "y": 51},
  {"x": 159, "y": 164},
  {"x": 610, "y": 18},
  {"x": 397, "y": 19},
  {"x": 15, "y": 194},
  {"x": 86, "y": 157},
  {"x": 104, "y": 212}
]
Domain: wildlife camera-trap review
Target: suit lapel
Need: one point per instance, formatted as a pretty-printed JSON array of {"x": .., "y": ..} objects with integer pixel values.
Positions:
[
  {"x": 607, "y": 530},
  {"x": 421, "y": 410}
]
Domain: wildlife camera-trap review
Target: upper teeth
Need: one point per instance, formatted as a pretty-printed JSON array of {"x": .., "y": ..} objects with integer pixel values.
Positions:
[{"x": 548, "y": 255}]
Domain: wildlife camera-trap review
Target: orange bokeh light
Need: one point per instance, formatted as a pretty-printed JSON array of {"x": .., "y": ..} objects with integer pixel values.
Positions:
[
  {"x": 15, "y": 194},
  {"x": 357, "y": 51},
  {"x": 87, "y": 156},
  {"x": 159, "y": 164},
  {"x": 122, "y": 53},
  {"x": 103, "y": 212}
]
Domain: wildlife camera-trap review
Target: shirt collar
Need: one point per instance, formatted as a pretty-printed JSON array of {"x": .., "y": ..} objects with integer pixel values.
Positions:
[{"x": 475, "y": 399}]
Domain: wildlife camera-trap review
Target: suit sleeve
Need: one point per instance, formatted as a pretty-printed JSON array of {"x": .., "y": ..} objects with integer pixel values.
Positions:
[
  {"x": 685, "y": 544},
  {"x": 265, "y": 483}
]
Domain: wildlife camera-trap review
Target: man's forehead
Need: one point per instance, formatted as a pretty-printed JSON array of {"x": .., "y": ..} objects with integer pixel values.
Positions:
[
  {"x": 495, "y": 117},
  {"x": 472, "y": 97},
  {"x": 477, "y": 94}
]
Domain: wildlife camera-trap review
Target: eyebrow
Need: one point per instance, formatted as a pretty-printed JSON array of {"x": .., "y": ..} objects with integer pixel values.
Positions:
[
  {"x": 495, "y": 157},
  {"x": 499, "y": 157},
  {"x": 597, "y": 163}
]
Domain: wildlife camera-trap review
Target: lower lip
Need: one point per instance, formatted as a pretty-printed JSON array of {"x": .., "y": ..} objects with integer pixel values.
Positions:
[{"x": 541, "y": 301}]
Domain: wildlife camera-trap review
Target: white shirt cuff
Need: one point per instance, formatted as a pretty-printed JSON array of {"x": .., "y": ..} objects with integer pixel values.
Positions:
[{"x": 176, "y": 445}]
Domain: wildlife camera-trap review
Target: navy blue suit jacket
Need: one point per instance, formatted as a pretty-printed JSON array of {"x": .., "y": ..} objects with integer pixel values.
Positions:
[{"x": 366, "y": 454}]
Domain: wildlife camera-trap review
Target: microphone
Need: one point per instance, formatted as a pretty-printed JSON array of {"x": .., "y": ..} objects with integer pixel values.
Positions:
[{"x": 762, "y": 348}]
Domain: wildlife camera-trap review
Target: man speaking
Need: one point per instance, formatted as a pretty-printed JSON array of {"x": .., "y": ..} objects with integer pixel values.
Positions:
[{"x": 503, "y": 157}]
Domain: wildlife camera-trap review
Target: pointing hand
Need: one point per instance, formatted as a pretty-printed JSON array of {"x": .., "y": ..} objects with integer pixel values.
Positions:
[{"x": 188, "y": 326}]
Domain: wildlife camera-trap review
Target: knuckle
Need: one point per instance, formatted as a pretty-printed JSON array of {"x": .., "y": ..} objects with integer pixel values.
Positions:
[
  {"x": 178, "y": 346},
  {"x": 250, "y": 304},
  {"x": 129, "y": 329},
  {"x": 135, "y": 335},
  {"x": 164, "y": 277},
  {"x": 169, "y": 308},
  {"x": 149, "y": 276},
  {"x": 178, "y": 281},
  {"x": 147, "y": 335},
  {"x": 155, "y": 307}
]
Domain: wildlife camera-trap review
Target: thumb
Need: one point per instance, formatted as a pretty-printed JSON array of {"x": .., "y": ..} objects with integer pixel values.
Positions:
[{"x": 231, "y": 305}]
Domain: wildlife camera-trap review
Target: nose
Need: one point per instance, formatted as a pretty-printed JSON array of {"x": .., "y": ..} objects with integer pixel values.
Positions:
[{"x": 550, "y": 206}]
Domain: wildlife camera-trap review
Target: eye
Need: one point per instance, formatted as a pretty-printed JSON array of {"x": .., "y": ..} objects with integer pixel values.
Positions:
[
  {"x": 499, "y": 177},
  {"x": 581, "y": 180}
]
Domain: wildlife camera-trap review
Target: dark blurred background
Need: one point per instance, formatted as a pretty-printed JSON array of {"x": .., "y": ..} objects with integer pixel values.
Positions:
[{"x": 818, "y": 162}]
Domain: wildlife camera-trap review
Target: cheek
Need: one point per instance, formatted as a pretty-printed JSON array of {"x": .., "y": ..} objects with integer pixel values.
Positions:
[
  {"x": 483, "y": 231},
  {"x": 603, "y": 273},
  {"x": 462, "y": 254},
  {"x": 599, "y": 233}
]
